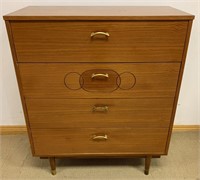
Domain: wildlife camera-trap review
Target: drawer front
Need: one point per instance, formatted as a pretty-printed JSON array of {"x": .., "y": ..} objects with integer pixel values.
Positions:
[
  {"x": 136, "y": 41},
  {"x": 125, "y": 80},
  {"x": 99, "y": 113},
  {"x": 99, "y": 141}
]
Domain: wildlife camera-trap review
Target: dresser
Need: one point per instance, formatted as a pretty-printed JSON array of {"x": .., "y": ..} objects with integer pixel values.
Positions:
[{"x": 99, "y": 81}]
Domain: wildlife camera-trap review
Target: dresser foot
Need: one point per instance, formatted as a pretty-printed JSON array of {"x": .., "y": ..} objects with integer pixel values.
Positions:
[
  {"x": 52, "y": 161},
  {"x": 147, "y": 164},
  {"x": 53, "y": 172}
]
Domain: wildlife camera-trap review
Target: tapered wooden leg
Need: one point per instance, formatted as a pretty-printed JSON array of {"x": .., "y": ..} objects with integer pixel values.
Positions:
[
  {"x": 147, "y": 164},
  {"x": 52, "y": 161}
]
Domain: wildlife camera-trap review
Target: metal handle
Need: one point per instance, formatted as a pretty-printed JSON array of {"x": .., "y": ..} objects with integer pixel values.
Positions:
[
  {"x": 99, "y": 33},
  {"x": 100, "y": 75},
  {"x": 100, "y": 137},
  {"x": 100, "y": 108}
]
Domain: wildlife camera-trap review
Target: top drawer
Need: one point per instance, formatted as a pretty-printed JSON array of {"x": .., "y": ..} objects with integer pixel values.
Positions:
[{"x": 122, "y": 41}]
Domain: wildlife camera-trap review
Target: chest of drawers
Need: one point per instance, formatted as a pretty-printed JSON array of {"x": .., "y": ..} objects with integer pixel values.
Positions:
[{"x": 99, "y": 81}]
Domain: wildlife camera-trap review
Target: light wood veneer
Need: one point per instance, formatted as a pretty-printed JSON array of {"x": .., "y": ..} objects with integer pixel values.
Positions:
[
  {"x": 54, "y": 41},
  {"x": 121, "y": 113},
  {"x": 99, "y": 81},
  {"x": 48, "y": 80}
]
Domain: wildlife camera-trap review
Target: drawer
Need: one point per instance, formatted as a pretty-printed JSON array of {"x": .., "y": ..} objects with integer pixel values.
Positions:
[
  {"x": 99, "y": 113},
  {"x": 99, "y": 80},
  {"x": 68, "y": 41},
  {"x": 99, "y": 141}
]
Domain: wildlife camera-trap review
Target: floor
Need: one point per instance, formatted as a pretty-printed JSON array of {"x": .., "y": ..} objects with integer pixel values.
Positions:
[{"x": 182, "y": 162}]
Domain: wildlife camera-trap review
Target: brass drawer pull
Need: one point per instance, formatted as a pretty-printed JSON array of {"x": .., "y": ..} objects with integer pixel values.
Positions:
[
  {"x": 100, "y": 108},
  {"x": 106, "y": 34},
  {"x": 100, "y": 137},
  {"x": 99, "y": 75}
]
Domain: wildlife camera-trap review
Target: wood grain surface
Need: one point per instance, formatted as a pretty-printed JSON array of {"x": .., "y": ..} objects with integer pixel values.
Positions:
[
  {"x": 120, "y": 140},
  {"x": 99, "y": 13},
  {"x": 14, "y": 56},
  {"x": 47, "y": 80},
  {"x": 121, "y": 113},
  {"x": 56, "y": 41},
  {"x": 140, "y": 57},
  {"x": 22, "y": 129},
  {"x": 179, "y": 82}
]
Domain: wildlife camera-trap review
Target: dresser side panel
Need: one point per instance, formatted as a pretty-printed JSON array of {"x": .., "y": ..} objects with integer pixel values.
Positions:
[
  {"x": 14, "y": 56},
  {"x": 179, "y": 82}
]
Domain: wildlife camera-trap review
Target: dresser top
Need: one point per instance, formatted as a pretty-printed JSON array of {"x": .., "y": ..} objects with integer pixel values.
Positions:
[{"x": 98, "y": 13}]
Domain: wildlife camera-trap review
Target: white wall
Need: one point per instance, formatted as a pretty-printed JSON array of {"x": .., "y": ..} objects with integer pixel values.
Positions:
[{"x": 189, "y": 100}]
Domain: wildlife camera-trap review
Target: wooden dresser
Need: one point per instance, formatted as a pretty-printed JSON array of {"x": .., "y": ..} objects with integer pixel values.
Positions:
[{"x": 99, "y": 81}]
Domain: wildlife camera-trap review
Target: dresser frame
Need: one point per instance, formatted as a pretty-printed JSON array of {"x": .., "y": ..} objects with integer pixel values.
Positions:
[{"x": 146, "y": 156}]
